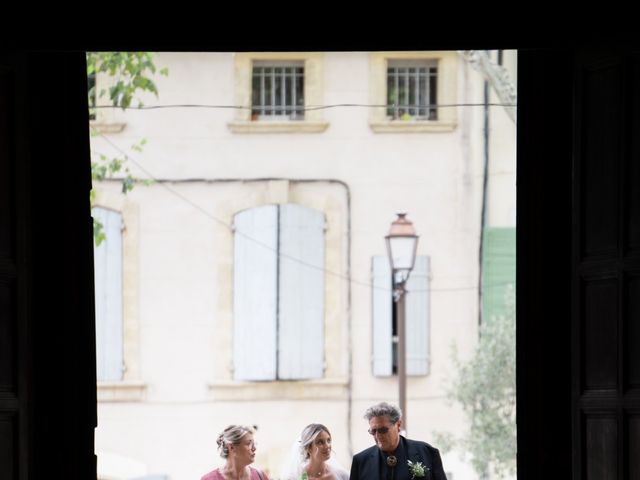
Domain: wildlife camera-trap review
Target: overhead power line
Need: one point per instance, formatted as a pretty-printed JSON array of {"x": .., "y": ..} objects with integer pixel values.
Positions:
[
  {"x": 308, "y": 107},
  {"x": 268, "y": 247}
]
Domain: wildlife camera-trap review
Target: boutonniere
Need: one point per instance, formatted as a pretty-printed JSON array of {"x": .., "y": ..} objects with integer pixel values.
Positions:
[{"x": 416, "y": 469}]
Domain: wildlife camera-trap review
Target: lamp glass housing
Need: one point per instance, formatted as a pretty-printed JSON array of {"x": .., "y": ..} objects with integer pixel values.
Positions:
[{"x": 402, "y": 243}]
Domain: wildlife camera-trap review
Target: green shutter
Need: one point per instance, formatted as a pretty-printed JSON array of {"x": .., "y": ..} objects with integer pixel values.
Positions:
[{"x": 498, "y": 269}]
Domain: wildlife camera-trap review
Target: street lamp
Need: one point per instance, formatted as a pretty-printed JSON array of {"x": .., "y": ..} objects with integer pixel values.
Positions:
[{"x": 402, "y": 243}]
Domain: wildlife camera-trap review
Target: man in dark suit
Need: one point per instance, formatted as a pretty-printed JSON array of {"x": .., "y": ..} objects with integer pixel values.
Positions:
[{"x": 394, "y": 457}]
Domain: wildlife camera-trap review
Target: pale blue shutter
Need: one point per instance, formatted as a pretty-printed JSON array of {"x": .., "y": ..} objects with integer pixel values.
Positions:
[
  {"x": 254, "y": 293},
  {"x": 382, "y": 309},
  {"x": 417, "y": 318},
  {"x": 301, "y": 293},
  {"x": 108, "y": 291}
]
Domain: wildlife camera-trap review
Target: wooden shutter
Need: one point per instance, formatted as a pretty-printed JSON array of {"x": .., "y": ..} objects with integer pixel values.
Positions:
[
  {"x": 255, "y": 294},
  {"x": 108, "y": 288},
  {"x": 417, "y": 318},
  {"x": 382, "y": 308},
  {"x": 498, "y": 270},
  {"x": 301, "y": 293}
]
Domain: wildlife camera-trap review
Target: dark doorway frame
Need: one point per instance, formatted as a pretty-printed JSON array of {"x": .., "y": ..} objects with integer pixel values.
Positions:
[{"x": 48, "y": 409}]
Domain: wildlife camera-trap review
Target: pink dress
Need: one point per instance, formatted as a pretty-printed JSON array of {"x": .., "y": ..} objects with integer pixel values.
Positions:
[{"x": 217, "y": 475}]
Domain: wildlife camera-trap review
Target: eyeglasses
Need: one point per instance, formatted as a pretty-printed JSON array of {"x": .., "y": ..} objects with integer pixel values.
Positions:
[{"x": 381, "y": 430}]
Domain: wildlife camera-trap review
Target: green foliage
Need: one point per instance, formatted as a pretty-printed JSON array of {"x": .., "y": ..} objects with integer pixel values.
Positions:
[
  {"x": 103, "y": 167},
  {"x": 485, "y": 388},
  {"x": 131, "y": 72},
  {"x": 98, "y": 232}
]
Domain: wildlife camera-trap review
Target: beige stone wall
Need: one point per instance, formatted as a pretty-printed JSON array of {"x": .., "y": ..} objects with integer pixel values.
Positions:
[
  {"x": 212, "y": 163},
  {"x": 502, "y": 174}
]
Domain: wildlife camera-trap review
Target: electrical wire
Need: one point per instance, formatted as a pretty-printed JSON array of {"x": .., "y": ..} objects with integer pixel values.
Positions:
[
  {"x": 307, "y": 108},
  {"x": 268, "y": 247}
]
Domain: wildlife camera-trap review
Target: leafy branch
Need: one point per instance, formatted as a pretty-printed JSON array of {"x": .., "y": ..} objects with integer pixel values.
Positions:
[
  {"x": 131, "y": 73},
  {"x": 485, "y": 388}
]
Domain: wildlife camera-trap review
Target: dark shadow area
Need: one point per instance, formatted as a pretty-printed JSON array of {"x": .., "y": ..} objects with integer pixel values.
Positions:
[{"x": 577, "y": 168}]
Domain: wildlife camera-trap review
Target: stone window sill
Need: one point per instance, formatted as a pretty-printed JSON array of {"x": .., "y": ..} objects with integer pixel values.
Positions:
[
  {"x": 277, "y": 127},
  {"x": 325, "y": 389},
  {"x": 128, "y": 391},
  {"x": 107, "y": 127},
  {"x": 408, "y": 126}
]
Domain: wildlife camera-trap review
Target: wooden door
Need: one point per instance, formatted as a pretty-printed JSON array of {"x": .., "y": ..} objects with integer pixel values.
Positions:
[
  {"x": 606, "y": 266},
  {"x": 47, "y": 349}
]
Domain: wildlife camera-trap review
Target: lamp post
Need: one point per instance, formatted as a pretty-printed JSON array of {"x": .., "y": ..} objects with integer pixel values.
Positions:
[{"x": 402, "y": 243}]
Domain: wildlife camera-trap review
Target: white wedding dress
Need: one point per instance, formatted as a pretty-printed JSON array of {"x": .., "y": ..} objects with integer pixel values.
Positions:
[{"x": 294, "y": 468}]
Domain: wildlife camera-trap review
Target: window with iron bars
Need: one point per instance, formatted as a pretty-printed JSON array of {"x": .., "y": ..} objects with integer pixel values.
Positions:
[
  {"x": 412, "y": 89},
  {"x": 277, "y": 91}
]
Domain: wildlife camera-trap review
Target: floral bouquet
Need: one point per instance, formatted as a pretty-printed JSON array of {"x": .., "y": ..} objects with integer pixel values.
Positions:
[{"x": 416, "y": 469}]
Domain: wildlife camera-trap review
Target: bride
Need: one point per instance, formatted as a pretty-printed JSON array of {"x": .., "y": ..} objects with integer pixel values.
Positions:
[{"x": 311, "y": 456}]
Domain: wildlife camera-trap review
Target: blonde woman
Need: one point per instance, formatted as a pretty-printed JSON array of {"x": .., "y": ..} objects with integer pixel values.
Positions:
[
  {"x": 312, "y": 456},
  {"x": 237, "y": 447}
]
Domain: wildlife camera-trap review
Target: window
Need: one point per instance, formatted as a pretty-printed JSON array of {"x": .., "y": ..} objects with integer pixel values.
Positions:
[
  {"x": 277, "y": 91},
  {"x": 278, "y": 286},
  {"x": 385, "y": 338},
  {"x": 274, "y": 88},
  {"x": 411, "y": 89},
  {"x": 108, "y": 290},
  {"x": 116, "y": 299}
]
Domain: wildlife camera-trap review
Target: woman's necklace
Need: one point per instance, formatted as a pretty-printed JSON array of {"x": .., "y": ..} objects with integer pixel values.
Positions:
[{"x": 318, "y": 474}]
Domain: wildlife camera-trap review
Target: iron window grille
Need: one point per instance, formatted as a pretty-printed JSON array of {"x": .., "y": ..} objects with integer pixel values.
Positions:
[
  {"x": 277, "y": 91},
  {"x": 412, "y": 89}
]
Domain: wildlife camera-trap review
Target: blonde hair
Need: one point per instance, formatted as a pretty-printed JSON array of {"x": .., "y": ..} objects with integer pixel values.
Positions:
[
  {"x": 307, "y": 437},
  {"x": 231, "y": 436}
]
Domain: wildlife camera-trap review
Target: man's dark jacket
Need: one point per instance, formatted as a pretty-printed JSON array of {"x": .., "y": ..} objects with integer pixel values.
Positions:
[{"x": 366, "y": 465}]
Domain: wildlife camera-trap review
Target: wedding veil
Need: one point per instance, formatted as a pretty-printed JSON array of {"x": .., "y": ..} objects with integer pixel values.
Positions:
[{"x": 294, "y": 465}]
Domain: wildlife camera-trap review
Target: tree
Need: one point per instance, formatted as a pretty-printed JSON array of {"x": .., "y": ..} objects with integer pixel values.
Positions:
[
  {"x": 132, "y": 73},
  {"x": 485, "y": 388}
]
